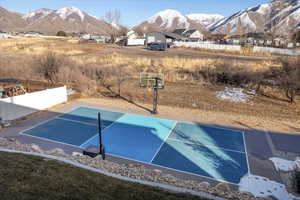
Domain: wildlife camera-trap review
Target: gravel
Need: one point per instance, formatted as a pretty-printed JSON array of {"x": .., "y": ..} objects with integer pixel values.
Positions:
[{"x": 131, "y": 170}]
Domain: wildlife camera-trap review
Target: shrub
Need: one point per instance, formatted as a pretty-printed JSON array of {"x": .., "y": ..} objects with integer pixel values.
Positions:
[
  {"x": 48, "y": 67},
  {"x": 289, "y": 77},
  {"x": 61, "y": 34}
]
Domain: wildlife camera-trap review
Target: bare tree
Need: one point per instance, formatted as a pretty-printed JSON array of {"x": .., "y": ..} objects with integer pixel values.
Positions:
[
  {"x": 48, "y": 66},
  {"x": 121, "y": 75},
  {"x": 114, "y": 18},
  {"x": 289, "y": 77}
]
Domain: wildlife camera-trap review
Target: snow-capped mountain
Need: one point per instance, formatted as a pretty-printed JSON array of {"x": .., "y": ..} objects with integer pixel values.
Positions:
[
  {"x": 278, "y": 17},
  {"x": 205, "y": 19},
  {"x": 71, "y": 12},
  {"x": 168, "y": 20},
  {"x": 37, "y": 15},
  {"x": 68, "y": 19}
]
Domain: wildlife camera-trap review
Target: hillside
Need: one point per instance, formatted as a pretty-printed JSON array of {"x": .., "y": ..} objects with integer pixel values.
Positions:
[
  {"x": 168, "y": 20},
  {"x": 11, "y": 21},
  {"x": 277, "y": 17},
  {"x": 68, "y": 19}
]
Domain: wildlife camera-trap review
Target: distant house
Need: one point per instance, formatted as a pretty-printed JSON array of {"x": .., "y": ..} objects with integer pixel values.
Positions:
[
  {"x": 4, "y": 35},
  {"x": 94, "y": 38},
  {"x": 132, "y": 34},
  {"x": 179, "y": 31},
  {"x": 32, "y": 34},
  {"x": 156, "y": 37},
  {"x": 192, "y": 35},
  {"x": 161, "y": 37}
]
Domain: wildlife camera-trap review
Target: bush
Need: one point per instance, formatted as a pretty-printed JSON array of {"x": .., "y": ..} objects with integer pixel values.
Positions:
[
  {"x": 48, "y": 67},
  {"x": 61, "y": 34},
  {"x": 289, "y": 77},
  {"x": 296, "y": 36},
  {"x": 225, "y": 74}
]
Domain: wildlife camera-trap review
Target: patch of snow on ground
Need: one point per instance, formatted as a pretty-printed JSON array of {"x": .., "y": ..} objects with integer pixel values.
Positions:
[
  {"x": 263, "y": 187},
  {"x": 234, "y": 94},
  {"x": 284, "y": 165}
]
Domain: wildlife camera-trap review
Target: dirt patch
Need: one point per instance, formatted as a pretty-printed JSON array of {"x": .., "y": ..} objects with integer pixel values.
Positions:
[{"x": 200, "y": 104}]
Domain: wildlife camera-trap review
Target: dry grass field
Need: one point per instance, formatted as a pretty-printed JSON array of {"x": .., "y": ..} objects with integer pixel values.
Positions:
[{"x": 95, "y": 69}]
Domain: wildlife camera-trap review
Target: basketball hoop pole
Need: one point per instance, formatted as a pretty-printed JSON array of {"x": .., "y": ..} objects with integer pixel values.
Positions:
[
  {"x": 155, "y": 96},
  {"x": 100, "y": 137}
]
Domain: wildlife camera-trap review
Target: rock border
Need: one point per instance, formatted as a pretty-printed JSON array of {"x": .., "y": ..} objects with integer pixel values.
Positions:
[{"x": 129, "y": 172}]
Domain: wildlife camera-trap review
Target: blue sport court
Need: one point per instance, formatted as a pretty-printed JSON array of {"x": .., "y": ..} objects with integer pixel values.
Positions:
[{"x": 199, "y": 150}]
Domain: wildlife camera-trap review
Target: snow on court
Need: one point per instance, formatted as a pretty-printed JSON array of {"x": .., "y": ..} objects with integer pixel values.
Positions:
[
  {"x": 234, "y": 94},
  {"x": 264, "y": 187},
  {"x": 285, "y": 165}
]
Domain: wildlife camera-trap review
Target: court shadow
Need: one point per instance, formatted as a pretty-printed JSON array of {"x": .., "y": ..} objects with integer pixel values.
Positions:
[
  {"x": 113, "y": 94},
  {"x": 214, "y": 153}
]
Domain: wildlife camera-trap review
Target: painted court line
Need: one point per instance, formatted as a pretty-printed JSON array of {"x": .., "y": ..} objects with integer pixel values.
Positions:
[
  {"x": 49, "y": 140},
  {"x": 212, "y": 146},
  {"x": 44, "y": 122},
  {"x": 163, "y": 142},
  {"x": 247, "y": 159},
  {"x": 101, "y": 131},
  {"x": 80, "y": 122},
  {"x": 172, "y": 169},
  {"x": 215, "y": 127},
  {"x": 151, "y": 164}
]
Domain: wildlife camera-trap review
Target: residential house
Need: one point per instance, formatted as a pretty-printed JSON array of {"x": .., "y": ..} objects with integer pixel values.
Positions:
[
  {"x": 32, "y": 34},
  {"x": 161, "y": 37},
  {"x": 4, "y": 35},
  {"x": 132, "y": 34},
  {"x": 192, "y": 35}
]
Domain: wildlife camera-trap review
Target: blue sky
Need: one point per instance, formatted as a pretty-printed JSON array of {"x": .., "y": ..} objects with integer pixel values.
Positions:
[{"x": 134, "y": 11}]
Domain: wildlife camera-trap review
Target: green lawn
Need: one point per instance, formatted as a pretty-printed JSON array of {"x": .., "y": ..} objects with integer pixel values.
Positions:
[{"x": 30, "y": 177}]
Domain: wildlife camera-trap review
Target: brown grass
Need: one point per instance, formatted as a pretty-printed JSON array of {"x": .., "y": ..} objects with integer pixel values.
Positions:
[{"x": 82, "y": 61}]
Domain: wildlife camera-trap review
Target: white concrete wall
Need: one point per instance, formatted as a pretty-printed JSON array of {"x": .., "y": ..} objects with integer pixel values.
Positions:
[
  {"x": 136, "y": 42},
  {"x": 276, "y": 51},
  {"x": 19, "y": 106},
  {"x": 208, "y": 46}
]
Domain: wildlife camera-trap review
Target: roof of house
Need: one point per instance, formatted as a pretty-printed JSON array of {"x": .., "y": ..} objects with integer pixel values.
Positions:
[
  {"x": 189, "y": 32},
  {"x": 173, "y": 36},
  {"x": 179, "y": 31}
]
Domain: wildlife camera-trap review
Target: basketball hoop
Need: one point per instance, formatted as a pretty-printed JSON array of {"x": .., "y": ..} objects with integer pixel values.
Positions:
[{"x": 152, "y": 81}]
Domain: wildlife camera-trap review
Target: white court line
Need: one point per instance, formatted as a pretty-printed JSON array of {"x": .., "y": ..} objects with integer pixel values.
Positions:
[
  {"x": 214, "y": 147},
  {"x": 44, "y": 122},
  {"x": 172, "y": 169},
  {"x": 102, "y": 109},
  {"x": 192, "y": 123},
  {"x": 151, "y": 164},
  {"x": 46, "y": 139},
  {"x": 163, "y": 142},
  {"x": 80, "y": 122},
  {"x": 213, "y": 126},
  {"x": 101, "y": 131},
  {"x": 247, "y": 159}
]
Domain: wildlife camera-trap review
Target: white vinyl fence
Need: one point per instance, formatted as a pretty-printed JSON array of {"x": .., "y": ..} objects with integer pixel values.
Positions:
[
  {"x": 203, "y": 45},
  {"x": 19, "y": 106},
  {"x": 136, "y": 42},
  {"x": 276, "y": 51}
]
